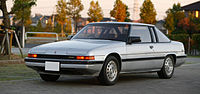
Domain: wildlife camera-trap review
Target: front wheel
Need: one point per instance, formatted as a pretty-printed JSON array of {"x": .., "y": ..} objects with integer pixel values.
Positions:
[
  {"x": 168, "y": 68},
  {"x": 110, "y": 71},
  {"x": 47, "y": 77}
]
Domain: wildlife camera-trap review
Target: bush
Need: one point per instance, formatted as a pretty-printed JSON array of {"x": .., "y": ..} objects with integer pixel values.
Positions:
[{"x": 196, "y": 40}]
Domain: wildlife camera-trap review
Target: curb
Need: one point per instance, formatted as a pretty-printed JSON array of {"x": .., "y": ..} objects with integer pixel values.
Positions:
[{"x": 18, "y": 61}]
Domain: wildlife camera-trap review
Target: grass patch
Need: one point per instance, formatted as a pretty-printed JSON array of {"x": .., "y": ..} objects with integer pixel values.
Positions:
[
  {"x": 12, "y": 57},
  {"x": 16, "y": 72}
]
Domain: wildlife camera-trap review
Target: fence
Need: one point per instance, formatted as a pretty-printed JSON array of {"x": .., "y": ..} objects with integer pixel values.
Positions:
[
  {"x": 34, "y": 37},
  {"x": 40, "y": 37}
]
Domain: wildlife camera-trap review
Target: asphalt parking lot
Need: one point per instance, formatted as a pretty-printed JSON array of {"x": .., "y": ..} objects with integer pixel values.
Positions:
[{"x": 186, "y": 80}]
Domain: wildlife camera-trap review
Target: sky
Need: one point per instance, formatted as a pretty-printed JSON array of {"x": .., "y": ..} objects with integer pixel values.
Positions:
[{"x": 47, "y": 7}]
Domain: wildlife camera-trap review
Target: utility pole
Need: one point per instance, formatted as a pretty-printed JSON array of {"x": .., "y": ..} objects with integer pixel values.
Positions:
[
  {"x": 53, "y": 22},
  {"x": 23, "y": 30},
  {"x": 135, "y": 10},
  {"x": 23, "y": 35}
]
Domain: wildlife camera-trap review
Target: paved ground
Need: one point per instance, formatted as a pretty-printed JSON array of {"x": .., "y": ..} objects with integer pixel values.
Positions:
[
  {"x": 16, "y": 50},
  {"x": 186, "y": 80}
]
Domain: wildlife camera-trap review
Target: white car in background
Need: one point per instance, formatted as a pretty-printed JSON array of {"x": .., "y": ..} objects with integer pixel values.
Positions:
[{"x": 106, "y": 49}]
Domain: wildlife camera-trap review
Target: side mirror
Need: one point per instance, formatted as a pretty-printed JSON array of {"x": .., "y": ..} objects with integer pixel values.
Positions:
[
  {"x": 69, "y": 37},
  {"x": 133, "y": 39}
]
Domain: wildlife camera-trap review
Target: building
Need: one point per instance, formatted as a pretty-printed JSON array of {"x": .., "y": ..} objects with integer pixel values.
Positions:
[
  {"x": 160, "y": 25},
  {"x": 44, "y": 19},
  {"x": 193, "y": 9},
  {"x": 36, "y": 19},
  {"x": 84, "y": 21}
]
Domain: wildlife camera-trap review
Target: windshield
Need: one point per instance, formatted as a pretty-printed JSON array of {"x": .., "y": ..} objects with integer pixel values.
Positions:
[{"x": 118, "y": 32}]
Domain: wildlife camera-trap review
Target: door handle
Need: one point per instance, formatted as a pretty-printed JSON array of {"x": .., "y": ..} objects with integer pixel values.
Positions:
[{"x": 151, "y": 47}]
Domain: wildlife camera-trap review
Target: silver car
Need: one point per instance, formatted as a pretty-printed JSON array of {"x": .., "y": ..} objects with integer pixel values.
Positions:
[{"x": 106, "y": 49}]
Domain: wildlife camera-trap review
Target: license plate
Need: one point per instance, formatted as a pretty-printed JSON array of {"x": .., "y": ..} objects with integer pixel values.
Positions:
[{"x": 52, "y": 66}]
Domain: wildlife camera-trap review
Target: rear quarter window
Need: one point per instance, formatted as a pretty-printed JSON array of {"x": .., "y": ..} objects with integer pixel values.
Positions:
[{"x": 161, "y": 37}]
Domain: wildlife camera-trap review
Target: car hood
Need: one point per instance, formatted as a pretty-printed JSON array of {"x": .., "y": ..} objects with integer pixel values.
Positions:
[{"x": 71, "y": 47}]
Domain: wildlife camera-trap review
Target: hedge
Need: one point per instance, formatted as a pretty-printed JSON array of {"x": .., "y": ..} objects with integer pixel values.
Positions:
[{"x": 196, "y": 40}]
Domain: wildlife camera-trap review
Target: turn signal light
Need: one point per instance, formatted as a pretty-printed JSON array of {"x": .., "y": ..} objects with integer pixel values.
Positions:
[
  {"x": 32, "y": 55},
  {"x": 85, "y": 57}
]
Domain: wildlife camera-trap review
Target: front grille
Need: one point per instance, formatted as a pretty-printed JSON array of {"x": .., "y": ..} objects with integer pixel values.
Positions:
[{"x": 55, "y": 56}]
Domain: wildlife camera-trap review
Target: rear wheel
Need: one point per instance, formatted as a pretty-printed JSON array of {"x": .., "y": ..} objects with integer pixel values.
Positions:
[
  {"x": 110, "y": 71},
  {"x": 168, "y": 68},
  {"x": 47, "y": 77}
]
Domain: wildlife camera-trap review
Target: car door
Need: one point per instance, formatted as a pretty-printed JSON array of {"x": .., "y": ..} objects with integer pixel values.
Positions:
[
  {"x": 140, "y": 55},
  {"x": 162, "y": 46}
]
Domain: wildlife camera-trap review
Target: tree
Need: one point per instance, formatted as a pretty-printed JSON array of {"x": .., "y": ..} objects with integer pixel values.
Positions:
[
  {"x": 187, "y": 25},
  {"x": 22, "y": 11},
  {"x": 68, "y": 27},
  {"x": 175, "y": 8},
  {"x": 28, "y": 22},
  {"x": 127, "y": 19},
  {"x": 61, "y": 17},
  {"x": 148, "y": 12},
  {"x": 39, "y": 26},
  {"x": 6, "y": 22},
  {"x": 3, "y": 7},
  {"x": 196, "y": 21},
  {"x": 174, "y": 15},
  {"x": 169, "y": 23},
  {"x": 49, "y": 25},
  {"x": 119, "y": 11},
  {"x": 57, "y": 28},
  {"x": 95, "y": 12},
  {"x": 32, "y": 29},
  {"x": 73, "y": 9}
]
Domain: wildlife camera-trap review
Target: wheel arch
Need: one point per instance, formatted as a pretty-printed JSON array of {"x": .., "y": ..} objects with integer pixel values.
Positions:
[
  {"x": 118, "y": 58},
  {"x": 174, "y": 57}
]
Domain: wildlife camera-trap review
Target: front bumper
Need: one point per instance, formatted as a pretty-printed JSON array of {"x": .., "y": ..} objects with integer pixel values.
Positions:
[{"x": 70, "y": 67}]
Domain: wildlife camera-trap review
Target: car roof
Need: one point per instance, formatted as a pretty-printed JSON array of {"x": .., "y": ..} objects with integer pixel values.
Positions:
[{"x": 130, "y": 23}]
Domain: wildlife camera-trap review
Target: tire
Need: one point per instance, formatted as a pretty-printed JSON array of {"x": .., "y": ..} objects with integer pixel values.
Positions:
[
  {"x": 110, "y": 71},
  {"x": 167, "y": 70},
  {"x": 47, "y": 77}
]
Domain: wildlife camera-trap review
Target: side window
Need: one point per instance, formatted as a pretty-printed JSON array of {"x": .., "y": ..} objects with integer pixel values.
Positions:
[
  {"x": 161, "y": 36},
  {"x": 142, "y": 32}
]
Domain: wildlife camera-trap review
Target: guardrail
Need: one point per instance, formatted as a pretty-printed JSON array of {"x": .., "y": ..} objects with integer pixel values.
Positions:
[{"x": 49, "y": 38}]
